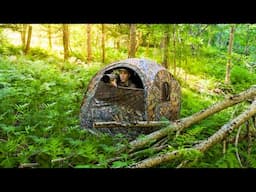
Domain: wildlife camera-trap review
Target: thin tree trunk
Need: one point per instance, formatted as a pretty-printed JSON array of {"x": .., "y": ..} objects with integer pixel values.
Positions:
[
  {"x": 204, "y": 145},
  {"x": 103, "y": 42},
  {"x": 118, "y": 42},
  {"x": 246, "y": 49},
  {"x": 174, "y": 50},
  {"x": 23, "y": 35},
  {"x": 180, "y": 125},
  {"x": 148, "y": 42},
  {"x": 155, "y": 50},
  {"x": 210, "y": 39},
  {"x": 132, "y": 47},
  {"x": 27, "y": 48},
  {"x": 230, "y": 46},
  {"x": 66, "y": 41},
  {"x": 50, "y": 36},
  {"x": 89, "y": 48},
  {"x": 166, "y": 42},
  {"x": 138, "y": 41},
  {"x": 166, "y": 46}
]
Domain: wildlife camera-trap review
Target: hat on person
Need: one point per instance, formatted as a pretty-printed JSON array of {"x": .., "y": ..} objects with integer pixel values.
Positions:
[{"x": 124, "y": 69}]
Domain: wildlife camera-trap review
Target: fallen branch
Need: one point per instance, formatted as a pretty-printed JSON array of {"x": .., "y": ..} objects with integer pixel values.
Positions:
[
  {"x": 153, "y": 161},
  {"x": 3, "y": 140},
  {"x": 204, "y": 145},
  {"x": 184, "y": 123},
  {"x": 137, "y": 154},
  {"x": 182, "y": 164},
  {"x": 60, "y": 159},
  {"x": 32, "y": 165},
  {"x": 227, "y": 128},
  {"x": 28, "y": 165},
  {"x": 137, "y": 124}
]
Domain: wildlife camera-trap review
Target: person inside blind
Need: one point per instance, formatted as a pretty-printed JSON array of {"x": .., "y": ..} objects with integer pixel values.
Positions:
[{"x": 123, "y": 79}]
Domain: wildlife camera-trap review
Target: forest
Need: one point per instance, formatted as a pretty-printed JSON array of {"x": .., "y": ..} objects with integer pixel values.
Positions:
[{"x": 45, "y": 70}]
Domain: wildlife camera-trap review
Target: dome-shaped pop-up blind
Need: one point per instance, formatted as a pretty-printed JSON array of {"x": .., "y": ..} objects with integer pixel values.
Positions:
[{"x": 109, "y": 109}]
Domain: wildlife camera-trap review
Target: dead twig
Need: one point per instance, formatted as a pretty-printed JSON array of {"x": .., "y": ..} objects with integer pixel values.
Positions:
[
  {"x": 236, "y": 145},
  {"x": 224, "y": 146},
  {"x": 249, "y": 136},
  {"x": 28, "y": 165}
]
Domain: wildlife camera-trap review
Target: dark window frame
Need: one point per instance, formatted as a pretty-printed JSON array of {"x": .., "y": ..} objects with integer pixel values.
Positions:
[{"x": 165, "y": 96}]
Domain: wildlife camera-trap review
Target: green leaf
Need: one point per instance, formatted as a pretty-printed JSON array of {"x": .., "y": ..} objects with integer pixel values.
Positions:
[
  {"x": 43, "y": 159},
  {"x": 119, "y": 164}
]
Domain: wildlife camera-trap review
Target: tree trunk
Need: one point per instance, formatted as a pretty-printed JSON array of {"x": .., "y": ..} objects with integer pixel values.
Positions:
[
  {"x": 103, "y": 42},
  {"x": 174, "y": 50},
  {"x": 204, "y": 145},
  {"x": 209, "y": 40},
  {"x": 230, "y": 46},
  {"x": 138, "y": 41},
  {"x": 132, "y": 47},
  {"x": 166, "y": 46},
  {"x": 118, "y": 43},
  {"x": 147, "y": 48},
  {"x": 27, "y": 48},
  {"x": 210, "y": 36},
  {"x": 89, "y": 48},
  {"x": 23, "y": 35},
  {"x": 180, "y": 125},
  {"x": 50, "y": 36},
  {"x": 66, "y": 41},
  {"x": 246, "y": 49}
]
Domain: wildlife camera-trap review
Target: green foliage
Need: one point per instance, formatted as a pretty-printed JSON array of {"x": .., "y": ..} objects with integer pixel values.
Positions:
[
  {"x": 187, "y": 139},
  {"x": 241, "y": 78},
  {"x": 37, "y": 53},
  {"x": 228, "y": 160},
  {"x": 192, "y": 102},
  {"x": 10, "y": 50},
  {"x": 119, "y": 164},
  {"x": 40, "y": 115},
  {"x": 251, "y": 161}
]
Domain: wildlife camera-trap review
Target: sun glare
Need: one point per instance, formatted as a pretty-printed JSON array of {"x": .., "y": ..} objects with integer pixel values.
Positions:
[{"x": 39, "y": 38}]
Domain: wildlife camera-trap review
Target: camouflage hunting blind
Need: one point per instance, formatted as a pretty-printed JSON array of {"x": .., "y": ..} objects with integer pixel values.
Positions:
[{"x": 156, "y": 97}]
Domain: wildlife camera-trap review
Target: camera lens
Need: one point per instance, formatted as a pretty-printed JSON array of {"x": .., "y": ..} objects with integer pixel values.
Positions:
[{"x": 106, "y": 79}]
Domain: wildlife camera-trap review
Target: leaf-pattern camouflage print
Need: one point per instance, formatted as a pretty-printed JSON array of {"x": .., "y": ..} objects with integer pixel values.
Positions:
[{"x": 105, "y": 103}]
